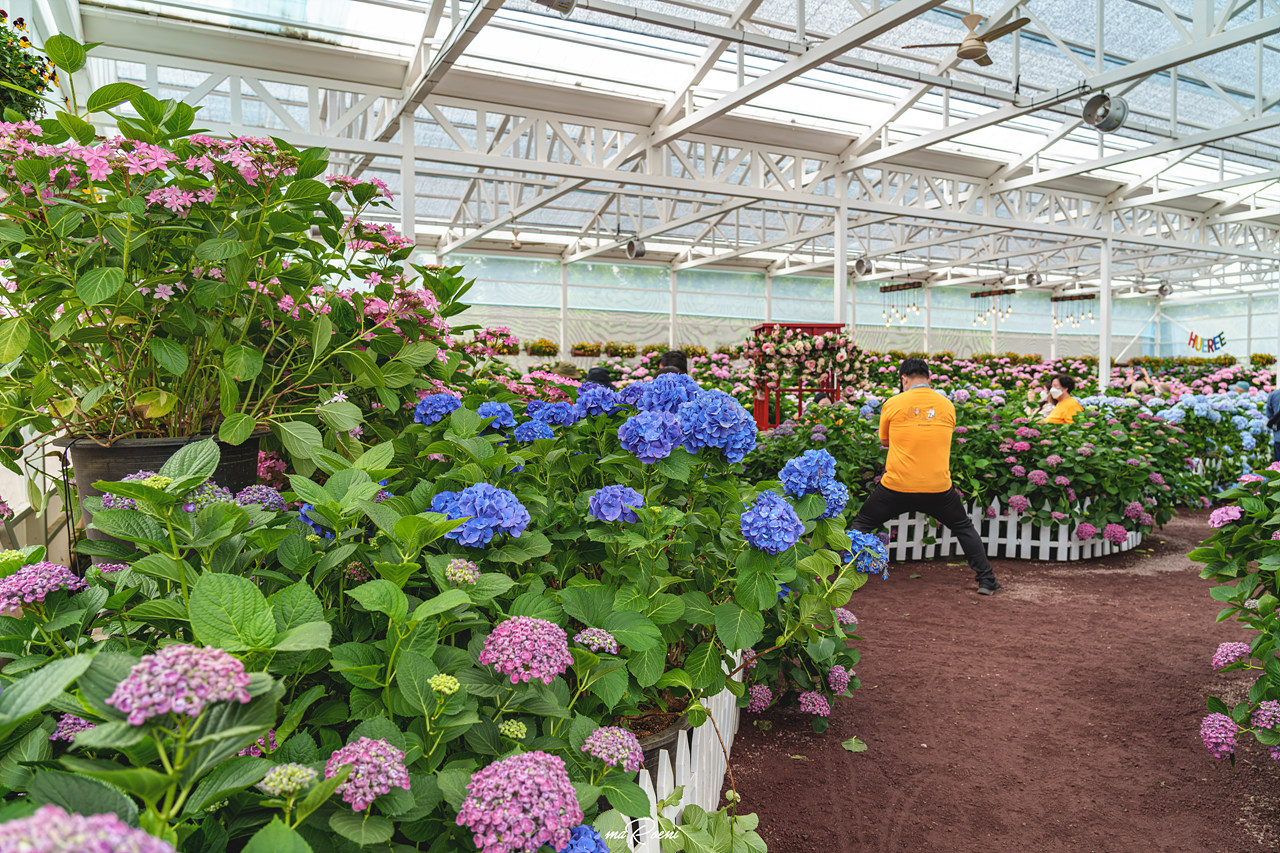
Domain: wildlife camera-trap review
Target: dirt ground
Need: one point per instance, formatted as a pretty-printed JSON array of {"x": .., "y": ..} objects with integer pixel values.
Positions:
[{"x": 1061, "y": 714}]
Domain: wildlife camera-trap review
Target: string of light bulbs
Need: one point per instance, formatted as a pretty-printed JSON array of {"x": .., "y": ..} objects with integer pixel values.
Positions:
[
  {"x": 1071, "y": 310},
  {"x": 900, "y": 301},
  {"x": 1000, "y": 306}
]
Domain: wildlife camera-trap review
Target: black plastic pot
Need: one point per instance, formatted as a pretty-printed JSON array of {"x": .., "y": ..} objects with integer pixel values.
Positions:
[{"x": 663, "y": 741}]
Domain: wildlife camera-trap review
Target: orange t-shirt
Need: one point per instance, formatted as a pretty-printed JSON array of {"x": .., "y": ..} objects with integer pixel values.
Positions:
[
  {"x": 1065, "y": 411},
  {"x": 918, "y": 426}
]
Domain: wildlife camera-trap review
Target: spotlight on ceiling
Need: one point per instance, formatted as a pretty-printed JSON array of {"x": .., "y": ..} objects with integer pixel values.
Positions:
[
  {"x": 863, "y": 266},
  {"x": 1033, "y": 279},
  {"x": 635, "y": 248},
  {"x": 564, "y": 7},
  {"x": 1164, "y": 290},
  {"x": 1105, "y": 112},
  {"x": 515, "y": 240}
]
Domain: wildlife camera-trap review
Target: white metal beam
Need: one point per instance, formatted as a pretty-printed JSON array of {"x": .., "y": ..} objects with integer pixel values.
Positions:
[{"x": 698, "y": 216}]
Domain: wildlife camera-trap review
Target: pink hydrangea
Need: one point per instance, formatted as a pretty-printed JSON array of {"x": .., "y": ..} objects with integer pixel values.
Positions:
[
  {"x": 1266, "y": 715},
  {"x": 1218, "y": 731},
  {"x": 376, "y": 768},
  {"x": 1038, "y": 478},
  {"x": 838, "y": 678},
  {"x": 843, "y": 616},
  {"x": 32, "y": 584},
  {"x": 52, "y": 830},
  {"x": 263, "y": 745},
  {"x": 759, "y": 697},
  {"x": 1018, "y": 471},
  {"x": 524, "y": 648},
  {"x": 1115, "y": 534},
  {"x": 597, "y": 639},
  {"x": 179, "y": 679},
  {"x": 520, "y": 803},
  {"x": 1251, "y": 478},
  {"x": 1053, "y": 460},
  {"x": 616, "y": 747},
  {"x": 812, "y": 702},
  {"x": 1132, "y": 509},
  {"x": 1086, "y": 531},
  {"x": 1222, "y": 516},
  {"x": 1019, "y": 503},
  {"x": 1229, "y": 653},
  {"x": 1020, "y": 446}
]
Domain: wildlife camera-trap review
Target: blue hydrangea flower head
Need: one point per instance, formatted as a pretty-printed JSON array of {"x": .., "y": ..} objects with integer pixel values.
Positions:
[
  {"x": 715, "y": 419},
  {"x": 596, "y": 399},
  {"x": 870, "y": 553},
  {"x": 806, "y": 473},
  {"x": 836, "y": 495},
  {"x": 533, "y": 430},
  {"x": 632, "y": 393},
  {"x": 616, "y": 503},
  {"x": 503, "y": 417},
  {"x": 771, "y": 524},
  {"x": 559, "y": 414},
  {"x": 585, "y": 839},
  {"x": 665, "y": 393},
  {"x": 650, "y": 435},
  {"x": 320, "y": 530},
  {"x": 488, "y": 510},
  {"x": 432, "y": 409}
]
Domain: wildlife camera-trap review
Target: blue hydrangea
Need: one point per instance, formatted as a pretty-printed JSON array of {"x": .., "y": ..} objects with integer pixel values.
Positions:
[
  {"x": 488, "y": 509},
  {"x": 650, "y": 435},
  {"x": 616, "y": 503},
  {"x": 533, "y": 430},
  {"x": 585, "y": 839},
  {"x": 783, "y": 591},
  {"x": 806, "y": 473},
  {"x": 1248, "y": 442},
  {"x": 867, "y": 412},
  {"x": 771, "y": 524},
  {"x": 319, "y": 529},
  {"x": 715, "y": 419},
  {"x": 632, "y": 393},
  {"x": 560, "y": 414},
  {"x": 870, "y": 553},
  {"x": 503, "y": 417},
  {"x": 836, "y": 495},
  {"x": 596, "y": 399},
  {"x": 667, "y": 392},
  {"x": 432, "y": 409}
]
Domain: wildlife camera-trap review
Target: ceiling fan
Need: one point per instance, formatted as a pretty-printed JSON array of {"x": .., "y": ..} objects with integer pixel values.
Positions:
[{"x": 975, "y": 46}]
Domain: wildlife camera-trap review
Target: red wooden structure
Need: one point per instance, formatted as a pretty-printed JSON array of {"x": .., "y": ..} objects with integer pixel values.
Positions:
[{"x": 767, "y": 407}]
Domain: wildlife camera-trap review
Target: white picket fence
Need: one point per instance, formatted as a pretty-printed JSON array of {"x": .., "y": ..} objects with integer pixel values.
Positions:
[{"x": 1008, "y": 536}]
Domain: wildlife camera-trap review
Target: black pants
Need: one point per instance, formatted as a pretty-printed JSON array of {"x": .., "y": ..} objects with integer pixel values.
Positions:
[
  {"x": 1275, "y": 451},
  {"x": 946, "y": 507}
]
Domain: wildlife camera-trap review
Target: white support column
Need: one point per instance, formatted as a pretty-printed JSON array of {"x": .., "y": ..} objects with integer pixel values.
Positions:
[
  {"x": 564, "y": 309},
  {"x": 995, "y": 326},
  {"x": 1249, "y": 329},
  {"x": 671, "y": 322},
  {"x": 408, "y": 189},
  {"x": 1159, "y": 331},
  {"x": 768, "y": 297},
  {"x": 1104, "y": 318},
  {"x": 928, "y": 298},
  {"x": 1053, "y": 336},
  {"x": 841, "y": 274}
]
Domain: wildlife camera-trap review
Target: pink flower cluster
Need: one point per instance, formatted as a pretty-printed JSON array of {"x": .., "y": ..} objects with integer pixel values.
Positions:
[
  {"x": 263, "y": 745},
  {"x": 1229, "y": 653},
  {"x": 462, "y": 572},
  {"x": 52, "y": 830},
  {"x": 181, "y": 680},
  {"x": 1266, "y": 715},
  {"x": 271, "y": 469},
  {"x": 525, "y": 648},
  {"x": 1224, "y": 515},
  {"x": 844, "y": 617},
  {"x": 1115, "y": 534},
  {"x": 597, "y": 639},
  {"x": 1086, "y": 531},
  {"x": 376, "y": 768},
  {"x": 69, "y": 725},
  {"x": 758, "y": 698},
  {"x": 1019, "y": 503},
  {"x": 616, "y": 747},
  {"x": 1218, "y": 731},
  {"x": 31, "y": 584},
  {"x": 812, "y": 702},
  {"x": 520, "y": 803},
  {"x": 838, "y": 678}
]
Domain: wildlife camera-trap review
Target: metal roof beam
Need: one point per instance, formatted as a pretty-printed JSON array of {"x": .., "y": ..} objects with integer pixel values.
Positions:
[
  {"x": 698, "y": 216},
  {"x": 1198, "y": 189}
]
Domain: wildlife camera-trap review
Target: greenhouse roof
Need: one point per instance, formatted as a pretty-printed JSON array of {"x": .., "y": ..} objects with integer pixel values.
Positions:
[{"x": 738, "y": 133}]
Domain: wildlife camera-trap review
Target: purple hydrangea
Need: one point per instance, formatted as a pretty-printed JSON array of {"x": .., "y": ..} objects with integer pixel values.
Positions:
[
  {"x": 1266, "y": 715},
  {"x": 1218, "y": 731},
  {"x": 616, "y": 747},
  {"x": 597, "y": 639},
  {"x": 520, "y": 803},
  {"x": 1019, "y": 503},
  {"x": 68, "y": 726},
  {"x": 838, "y": 678},
  {"x": 1115, "y": 534},
  {"x": 813, "y": 702},
  {"x": 714, "y": 419},
  {"x": 1018, "y": 471},
  {"x": 1133, "y": 509},
  {"x": 376, "y": 768},
  {"x": 432, "y": 408},
  {"x": 1146, "y": 519},
  {"x": 1156, "y": 479},
  {"x": 843, "y": 616},
  {"x": 110, "y": 568},
  {"x": 264, "y": 496},
  {"x": 532, "y": 431},
  {"x": 263, "y": 745},
  {"x": 1038, "y": 478},
  {"x": 771, "y": 524},
  {"x": 806, "y": 473},
  {"x": 651, "y": 435},
  {"x": 667, "y": 392},
  {"x": 1086, "y": 531},
  {"x": 488, "y": 510},
  {"x": 118, "y": 502},
  {"x": 616, "y": 503},
  {"x": 31, "y": 584},
  {"x": 207, "y": 494},
  {"x": 1222, "y": 516},
  {"x": 759, "y": 697},
  {"x": 503, "y": 417},
  {"x": 1229, "y": 653},
  {"x": 585, "y": 839},
  {"x": 462, "y": 572},
  {"x": 287, "y": 780},
  {"x": 179, "y": 679},
  {"x": 52, "y": 830},
  {"x": 594, "y": 399},
  {"x": 525, "y": 648}
]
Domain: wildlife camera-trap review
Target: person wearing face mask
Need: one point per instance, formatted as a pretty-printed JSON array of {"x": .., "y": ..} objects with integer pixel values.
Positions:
[
  {"x": 916, "y": 427},
  {"x": 1066, "y": 406}
]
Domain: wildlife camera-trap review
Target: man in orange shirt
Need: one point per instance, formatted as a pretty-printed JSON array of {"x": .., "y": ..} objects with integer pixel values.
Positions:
[{"x": 916, "y": 426}]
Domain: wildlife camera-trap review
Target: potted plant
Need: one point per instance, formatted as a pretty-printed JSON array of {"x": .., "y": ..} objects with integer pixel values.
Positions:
[
  {"x": 619, "y": 350},
  {"x": 586, "y": 349},
  {"x": 165, "y": 285},
  {"x": 27, "y": 74},
  {"x": 542, "y": 347},
  {"x": 655, "y": 347}
]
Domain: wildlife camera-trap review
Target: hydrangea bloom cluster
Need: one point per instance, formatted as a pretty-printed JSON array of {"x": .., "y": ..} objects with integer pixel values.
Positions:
[
  {"x": 147, "y": 478},
  {"x": 843, "y": 616},
  {"x": 524, "y": 648},
  {"x": 666, "y": 393},
  {"x": 1086, "y": 531},
  {"x": 376, "y": 768},
  {"x": 838, "y": 678},
  {"x": 264, "y": 496},
  {"x": 806, "y": 473},
  {"x": 559, "y": 413},
  {"x": 597, "y": 639},
  {"x": 813, "y": 702},
  {"x": 596, "y": 399},
  {"x": 287, "y": 780},
  {"x": 532, "y": 431},
  {"x": 503, "y": 417},
  {"x": 207, "y": 494},
  {"x": 68, "y": 726},
  {"x": 715, "y": 419},
  {"x": 1018, "y": 470},
  {"x": 179, "y": 679},
  {"x": 1053, "y": 460},
  {"x": 1222, "y": 516},
  {"x": 1019, "y": 503},
  {"x": 445, "y": 685},
  {"x": 651, "y": 435},
  {"x": 1133, "y": 509},
  {"x": 1062, "y": 481},
  {"x": 1218, "y": 731},
  {"x": 520, "y": 803},
  {"x": 1038, "y": 478},
  {"x": 616, "y": 747},
  {"x": 513, "y": 729},
  {"x": 488, "y": 509},
  {"x": 771, "y": 524},
  {"x": 1156, "y": 479},
  {"x": 1115, "y": 534},
  {"x": 836, "y": 494},
  {"x": 1266, "y": 715},
  {"x": 52, "y": 830},
  {"x": 462, "y": 572},
  {"x": 870, "y": 552},
  {"x": 433, "y": 408},
  {"x": 32, "y": 584},
  {"x": 759, "y": 697},
  {"x": 616, "y": 503},
  {"x": 585, "y": 839},
  {"x": 263, "y": 745},
  {"x": 1229, "y": 653}
]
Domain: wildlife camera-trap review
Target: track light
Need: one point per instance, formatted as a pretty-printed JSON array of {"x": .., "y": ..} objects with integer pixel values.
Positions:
[
  {"x": 564, "y": 7},
  {"x": 1105, "y": 112}
]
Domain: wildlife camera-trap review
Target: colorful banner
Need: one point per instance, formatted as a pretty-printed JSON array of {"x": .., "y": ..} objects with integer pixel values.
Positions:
[{"x": 1199, "y": 344}]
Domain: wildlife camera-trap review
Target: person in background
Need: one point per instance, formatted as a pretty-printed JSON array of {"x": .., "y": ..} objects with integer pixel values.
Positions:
[
  {"x": 1066, "y": 406},
  {"x": 1139, "y": 381},
  {"x": 822, "y": 398},
  {"x": 1039, "y": 403},
  {"x": 1272, "y": 413},
  {"x": 916, "y": 426},
  {"x": 565, "y": 369},
  {"x": 600, "y": 376},
  {"x": 676, "y": 359}
]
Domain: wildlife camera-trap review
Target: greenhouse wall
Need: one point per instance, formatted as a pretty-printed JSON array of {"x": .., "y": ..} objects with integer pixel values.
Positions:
[{"x": 1250, "y": 324}]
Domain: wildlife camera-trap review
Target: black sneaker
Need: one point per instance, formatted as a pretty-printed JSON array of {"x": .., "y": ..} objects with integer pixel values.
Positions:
[{"x": 988, "y": 586}]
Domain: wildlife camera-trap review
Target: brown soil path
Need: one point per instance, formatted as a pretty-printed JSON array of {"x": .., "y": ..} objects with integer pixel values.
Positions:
[{"x": 1061, "y": 714}]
